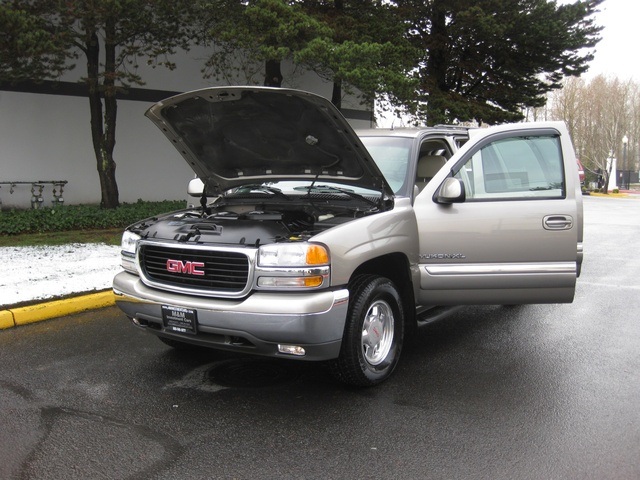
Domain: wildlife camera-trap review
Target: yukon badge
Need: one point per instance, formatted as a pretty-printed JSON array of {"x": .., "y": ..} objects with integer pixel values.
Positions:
[
  {"x": 442, "y": 256},
  {"x": 187, "y": 267}
]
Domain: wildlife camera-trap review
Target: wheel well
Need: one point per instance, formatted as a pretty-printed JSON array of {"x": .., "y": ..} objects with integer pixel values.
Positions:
[{"x": 395, "y": 267}]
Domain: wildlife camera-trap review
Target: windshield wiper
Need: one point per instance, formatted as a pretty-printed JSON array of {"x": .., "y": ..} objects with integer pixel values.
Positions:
[
  {"x": 332, "y": 189},
  {"x": 261, "y": 188}
]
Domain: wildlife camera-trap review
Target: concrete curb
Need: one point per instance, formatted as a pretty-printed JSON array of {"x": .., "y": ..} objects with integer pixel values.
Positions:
[{"x": 14, "y": 317}]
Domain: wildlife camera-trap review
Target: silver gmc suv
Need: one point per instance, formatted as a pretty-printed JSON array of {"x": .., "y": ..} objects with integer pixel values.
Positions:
[{"x": 314, "y": 242}]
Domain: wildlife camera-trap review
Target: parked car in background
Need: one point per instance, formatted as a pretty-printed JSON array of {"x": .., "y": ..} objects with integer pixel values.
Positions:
[{"x": 580, "y": 171}]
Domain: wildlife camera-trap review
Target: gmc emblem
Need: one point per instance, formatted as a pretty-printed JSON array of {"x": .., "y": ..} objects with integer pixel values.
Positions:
[{"x": 188, "y": 267}]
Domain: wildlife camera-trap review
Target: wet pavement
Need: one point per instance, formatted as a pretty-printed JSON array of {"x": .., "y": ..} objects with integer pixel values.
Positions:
[{"x": 528, "y": 392}]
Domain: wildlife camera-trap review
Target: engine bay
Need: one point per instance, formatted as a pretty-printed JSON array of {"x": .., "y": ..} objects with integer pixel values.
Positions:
[{"x": 243, "y": 221}]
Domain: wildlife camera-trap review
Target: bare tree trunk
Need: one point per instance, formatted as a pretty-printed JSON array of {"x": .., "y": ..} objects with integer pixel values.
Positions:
[
  {"x": 103, "y": 141},
  {"x": 272, "y": 74},
  {"x": 109, "y": 185},
  {"x": 436, "y": 67},
  {"x": 606, "y": 177},
  {"x": 336, "y": 94}
]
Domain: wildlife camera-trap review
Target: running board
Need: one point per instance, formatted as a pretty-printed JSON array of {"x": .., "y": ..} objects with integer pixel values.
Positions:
[{"x": 427, "y": 315}]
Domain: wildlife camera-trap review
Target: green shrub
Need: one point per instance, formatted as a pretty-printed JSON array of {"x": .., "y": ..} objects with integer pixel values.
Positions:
[
  {"x": 615, "y": 190},
  {"x": 81, "y": 217}
]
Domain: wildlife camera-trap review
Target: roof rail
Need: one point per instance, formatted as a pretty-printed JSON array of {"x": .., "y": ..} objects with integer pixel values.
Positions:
[{"x": 453, "y": 127}]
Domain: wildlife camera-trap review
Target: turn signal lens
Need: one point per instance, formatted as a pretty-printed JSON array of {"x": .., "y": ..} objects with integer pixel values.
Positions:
[
  {"x": 317, "y": 255},
  {"x": 313, "y": 281}
]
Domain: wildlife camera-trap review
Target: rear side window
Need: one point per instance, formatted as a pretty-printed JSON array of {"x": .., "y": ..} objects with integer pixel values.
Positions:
[{"x": 515, "y": 168}]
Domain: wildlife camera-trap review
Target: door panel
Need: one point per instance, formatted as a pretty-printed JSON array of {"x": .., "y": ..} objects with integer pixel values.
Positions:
[{"x": 515, "y": 237}]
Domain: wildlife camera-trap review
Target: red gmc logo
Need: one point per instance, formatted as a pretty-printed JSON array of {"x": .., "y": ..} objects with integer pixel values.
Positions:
[{"x": 188, "y": 267}]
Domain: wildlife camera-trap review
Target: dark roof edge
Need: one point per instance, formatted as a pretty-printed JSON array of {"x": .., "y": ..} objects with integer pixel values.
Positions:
[{"x": 79, "y": 89}]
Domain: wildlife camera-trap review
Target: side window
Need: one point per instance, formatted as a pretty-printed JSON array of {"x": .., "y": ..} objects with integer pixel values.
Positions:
[{"x": 515, "y": 168}]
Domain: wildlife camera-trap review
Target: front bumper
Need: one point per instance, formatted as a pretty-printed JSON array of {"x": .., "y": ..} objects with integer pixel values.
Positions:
[{"x": 256, "y": 324}]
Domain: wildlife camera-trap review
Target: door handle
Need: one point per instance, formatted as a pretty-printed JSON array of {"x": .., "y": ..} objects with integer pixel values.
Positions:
[{"x": 557, "y": 222}]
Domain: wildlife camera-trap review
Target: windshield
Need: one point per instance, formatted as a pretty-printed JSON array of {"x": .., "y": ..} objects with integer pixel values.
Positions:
[{"x": 391, "y": 154}]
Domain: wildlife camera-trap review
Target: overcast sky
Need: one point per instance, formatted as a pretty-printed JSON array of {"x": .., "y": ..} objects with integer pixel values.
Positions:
[{"x": 616, "y": 54}]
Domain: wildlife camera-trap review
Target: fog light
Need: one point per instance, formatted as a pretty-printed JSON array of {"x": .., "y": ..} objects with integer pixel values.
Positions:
[{"x": 292, "y": 350}]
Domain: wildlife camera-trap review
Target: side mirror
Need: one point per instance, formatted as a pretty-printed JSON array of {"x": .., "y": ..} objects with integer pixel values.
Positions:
[
  {"x": 451, "y": 191},
  {"x": 195, "y": 187}
]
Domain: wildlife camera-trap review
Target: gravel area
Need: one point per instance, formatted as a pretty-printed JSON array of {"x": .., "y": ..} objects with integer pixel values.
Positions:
[{"x": 49, "y": 272}]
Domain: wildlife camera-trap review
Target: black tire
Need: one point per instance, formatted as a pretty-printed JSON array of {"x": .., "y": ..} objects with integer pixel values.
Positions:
[{"x": 373, "y": 333}]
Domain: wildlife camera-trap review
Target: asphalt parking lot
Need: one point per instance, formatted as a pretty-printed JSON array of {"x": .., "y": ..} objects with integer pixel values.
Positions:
[{"x": 493, "y": 392}]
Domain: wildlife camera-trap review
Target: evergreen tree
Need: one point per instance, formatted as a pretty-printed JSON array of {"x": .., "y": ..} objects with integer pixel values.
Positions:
[
  {"x": 367, "y": 49},
  {"x": 352, "y": 43},
  {"x": 256, "y": 32},
  {"x": 486, "y": 60},
  {"x": 30, "y": 47}
]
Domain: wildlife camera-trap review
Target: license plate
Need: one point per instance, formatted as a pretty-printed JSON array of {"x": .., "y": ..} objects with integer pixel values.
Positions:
[{"x": 179, "y": 319}]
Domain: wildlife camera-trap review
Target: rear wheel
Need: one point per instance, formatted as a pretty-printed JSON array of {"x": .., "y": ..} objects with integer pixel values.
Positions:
[{"x": 374, "y": 331}]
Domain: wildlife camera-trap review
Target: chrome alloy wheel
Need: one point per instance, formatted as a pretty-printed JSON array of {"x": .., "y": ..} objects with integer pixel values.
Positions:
[
  {"x": 377, "y": 332},
  {"x": 373, "y": 332}
]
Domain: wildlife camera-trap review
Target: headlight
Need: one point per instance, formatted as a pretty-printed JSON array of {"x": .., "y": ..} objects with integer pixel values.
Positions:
[
  {"x": 293, "y": 266},
  {"x": 129, "y": 243},
  {"x": 128, "y": 247},
  {"x": 292, "y": 255}
]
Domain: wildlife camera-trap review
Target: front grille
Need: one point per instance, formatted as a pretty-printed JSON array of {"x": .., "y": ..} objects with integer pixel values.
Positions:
[{"x": 224, "y": 271}]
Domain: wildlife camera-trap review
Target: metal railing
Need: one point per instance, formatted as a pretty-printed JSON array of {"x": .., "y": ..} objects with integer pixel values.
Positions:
[{"x": 37, "y": 190}]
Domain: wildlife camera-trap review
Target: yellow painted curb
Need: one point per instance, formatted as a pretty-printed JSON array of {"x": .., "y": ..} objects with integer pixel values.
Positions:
[
  {"x": 6, "y": 319},
  {"x": 613, "y": 195},
  {"x": 56, "y": 308}
]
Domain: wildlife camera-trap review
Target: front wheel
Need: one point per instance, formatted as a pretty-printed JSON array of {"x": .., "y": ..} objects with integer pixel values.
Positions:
[{"x": 373, "y": 334}]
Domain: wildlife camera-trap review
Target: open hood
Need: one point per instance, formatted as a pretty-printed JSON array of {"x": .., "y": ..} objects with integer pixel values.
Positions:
[{"x": 237, "y": 135}]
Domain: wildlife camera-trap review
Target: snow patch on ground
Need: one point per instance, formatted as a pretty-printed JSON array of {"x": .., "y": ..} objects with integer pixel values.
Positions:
[{"x": 46, "y": 272}]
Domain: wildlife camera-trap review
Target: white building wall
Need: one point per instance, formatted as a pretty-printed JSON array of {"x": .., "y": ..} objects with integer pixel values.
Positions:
[{"x": 48, "y": 137}]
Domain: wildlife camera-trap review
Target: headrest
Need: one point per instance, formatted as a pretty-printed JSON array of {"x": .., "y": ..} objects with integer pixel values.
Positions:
[{"x": 428, "y": 165}]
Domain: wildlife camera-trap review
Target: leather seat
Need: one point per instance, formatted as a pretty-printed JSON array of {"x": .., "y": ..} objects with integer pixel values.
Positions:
[{"x": 428, "y": 166}]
